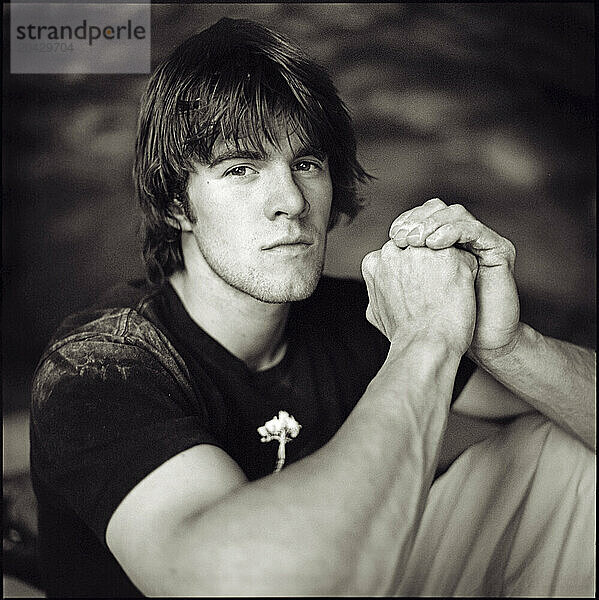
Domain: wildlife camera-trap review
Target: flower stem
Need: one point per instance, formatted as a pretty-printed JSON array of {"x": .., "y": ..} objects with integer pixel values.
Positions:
[{"x": 281, "y": 454}]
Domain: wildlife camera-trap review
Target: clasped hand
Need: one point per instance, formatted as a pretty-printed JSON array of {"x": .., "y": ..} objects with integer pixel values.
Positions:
[{"x": 432, "y": 228}]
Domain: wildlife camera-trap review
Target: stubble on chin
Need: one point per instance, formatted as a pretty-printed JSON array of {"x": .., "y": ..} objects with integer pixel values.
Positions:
[
  {"x": 283, "y": 286},
  {"x": 275, "y": 283},
  {"x": 292, "y": 291},
  {"x": 279, "y": 285}
]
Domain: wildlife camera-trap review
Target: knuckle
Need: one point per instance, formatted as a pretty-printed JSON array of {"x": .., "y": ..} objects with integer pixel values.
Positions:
[
  {"x": 413, "y": 217},
  {"x": 435, "y": 202},
  {"x": 369, "y": 261},
  {"x": 399, "y": 219},
  {"x": 431, "y": 221},
  {"x": 369, "y": 314},
  {"x": 509, "y": 249},
  {"x": 364, "y": 267},
  {"x": 458, "y": 209},
  {"x": 387, "y": 249},
  {"x": 390, "y": 253},
  {"x": 448, "y": 229}
]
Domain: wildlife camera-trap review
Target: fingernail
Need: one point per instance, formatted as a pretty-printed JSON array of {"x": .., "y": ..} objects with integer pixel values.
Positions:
[
  {"x": 397, "y": 230},
  {"x": 398, "y": 233},
  {"x": 413, "y": 236}
]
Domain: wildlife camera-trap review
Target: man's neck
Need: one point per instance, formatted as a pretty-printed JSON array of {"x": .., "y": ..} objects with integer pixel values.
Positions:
[{"x": 251, "y": 330}]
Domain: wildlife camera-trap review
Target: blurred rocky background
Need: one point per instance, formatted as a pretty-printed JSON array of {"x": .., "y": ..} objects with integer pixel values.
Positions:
[{"x": 490, "y": 105}]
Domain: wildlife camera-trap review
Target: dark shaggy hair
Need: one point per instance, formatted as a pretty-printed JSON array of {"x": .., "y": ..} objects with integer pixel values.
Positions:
[{"x": 237, "y": 81}]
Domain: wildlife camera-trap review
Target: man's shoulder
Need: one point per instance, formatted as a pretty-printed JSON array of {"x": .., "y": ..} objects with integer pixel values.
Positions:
[
  {"x": 123, "y": 315},
  {"x": 118, "y": 335}
]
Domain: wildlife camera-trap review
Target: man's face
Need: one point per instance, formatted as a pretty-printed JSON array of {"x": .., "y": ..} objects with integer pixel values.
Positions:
[{"x": 261, "y": 220}]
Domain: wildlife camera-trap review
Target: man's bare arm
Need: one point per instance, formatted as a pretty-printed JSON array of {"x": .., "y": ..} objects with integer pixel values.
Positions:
[
  {"x": 554, "y": 377},
  {"x": 483, "y": 397},
  {"x": 341, "y": 521}
]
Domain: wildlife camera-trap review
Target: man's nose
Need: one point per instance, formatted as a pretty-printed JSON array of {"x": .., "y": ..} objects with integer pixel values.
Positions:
[{"x": 285, "y": 198}]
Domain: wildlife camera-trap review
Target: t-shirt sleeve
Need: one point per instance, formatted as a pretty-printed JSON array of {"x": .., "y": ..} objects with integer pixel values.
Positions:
[{"x": 105, "y": 415}]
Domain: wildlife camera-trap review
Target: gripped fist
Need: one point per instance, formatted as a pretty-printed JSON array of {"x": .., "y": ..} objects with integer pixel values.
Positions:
[
  {"x": 422, "y": 292},
  {"x": 436, "y": 225}
]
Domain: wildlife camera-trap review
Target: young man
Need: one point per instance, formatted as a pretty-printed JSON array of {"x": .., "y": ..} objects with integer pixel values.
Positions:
[{"x": 156, "y": 460}]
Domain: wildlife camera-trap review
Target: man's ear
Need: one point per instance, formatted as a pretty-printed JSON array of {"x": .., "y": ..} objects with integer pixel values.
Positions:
[{"x": 179, "y": 215}]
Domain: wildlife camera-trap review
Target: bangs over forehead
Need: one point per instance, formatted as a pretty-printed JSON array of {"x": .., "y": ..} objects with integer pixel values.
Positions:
[{"x": 247, "y": 102}]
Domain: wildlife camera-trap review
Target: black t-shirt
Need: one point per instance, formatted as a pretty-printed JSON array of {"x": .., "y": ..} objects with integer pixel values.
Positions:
[{"x": 129, "y": 384}]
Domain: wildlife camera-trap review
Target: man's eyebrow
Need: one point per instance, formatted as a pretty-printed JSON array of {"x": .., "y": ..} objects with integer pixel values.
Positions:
[
  {"x": 234, "y": 154},
  {"x": 309, "y": 151}
]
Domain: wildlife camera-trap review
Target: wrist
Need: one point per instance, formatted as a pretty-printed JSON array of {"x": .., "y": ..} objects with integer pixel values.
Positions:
[
  {"x": 488, "y": 357},
  {"x": 426, "y": 345},
  {"x": 422, "y": 366},
  {"x": 426, "y": 341}
]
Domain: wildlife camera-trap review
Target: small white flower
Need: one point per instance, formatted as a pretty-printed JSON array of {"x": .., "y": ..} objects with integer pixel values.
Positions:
[{"x": 283, "y": 429}]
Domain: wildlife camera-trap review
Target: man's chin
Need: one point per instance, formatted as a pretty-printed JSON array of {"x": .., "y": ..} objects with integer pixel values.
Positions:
[
  {"x": 294, "y": 296},
  {"x": 294, "y": 292},
  {"x": 283, "y": 290},
  {"x": 269, "y": 283}
]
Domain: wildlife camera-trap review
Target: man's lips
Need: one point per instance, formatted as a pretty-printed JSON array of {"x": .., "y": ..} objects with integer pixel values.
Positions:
[{"x": 302, "y": 240}]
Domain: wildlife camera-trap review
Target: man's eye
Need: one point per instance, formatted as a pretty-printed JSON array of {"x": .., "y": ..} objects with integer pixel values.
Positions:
[
  {"x": 306, "y": 166},
  {"x": 240, "y": 171}
]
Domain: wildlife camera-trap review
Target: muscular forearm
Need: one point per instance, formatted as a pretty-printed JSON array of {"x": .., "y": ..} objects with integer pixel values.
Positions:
[
  {"x": 341, "y": 520},
  {"x": 555, "y": 377}
]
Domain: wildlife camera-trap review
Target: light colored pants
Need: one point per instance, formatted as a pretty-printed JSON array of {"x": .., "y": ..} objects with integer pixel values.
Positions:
[{"x": 513, "y": 516}]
